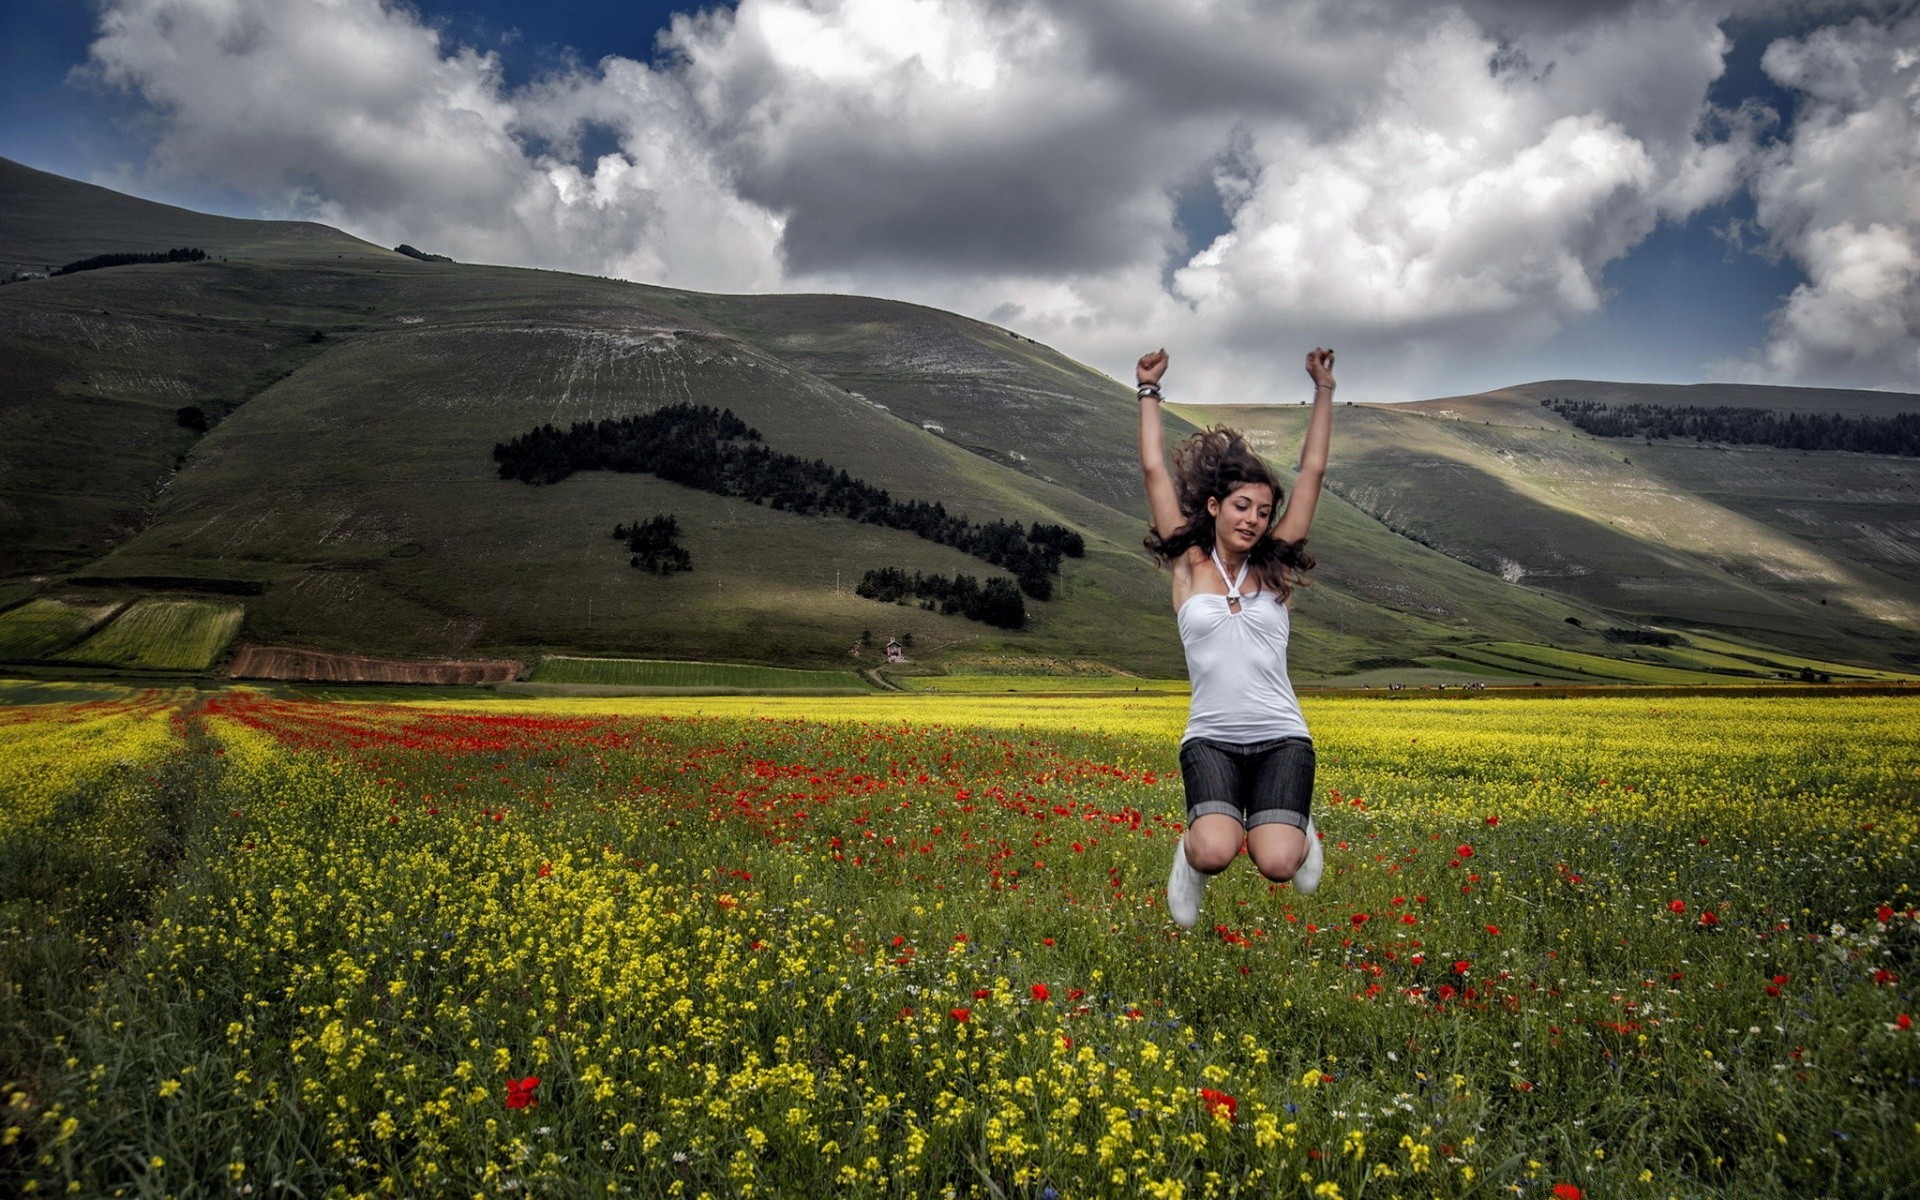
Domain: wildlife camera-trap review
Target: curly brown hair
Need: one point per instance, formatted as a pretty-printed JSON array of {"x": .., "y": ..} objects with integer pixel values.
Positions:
[{"x": 1212, "y": 464}]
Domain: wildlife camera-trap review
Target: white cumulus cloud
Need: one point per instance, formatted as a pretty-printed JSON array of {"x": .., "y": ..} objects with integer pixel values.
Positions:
[
  {"x": 1426, "y": 186},
  {"x": 1841, "y": 196},
  {"x": 355, "y": 113}
]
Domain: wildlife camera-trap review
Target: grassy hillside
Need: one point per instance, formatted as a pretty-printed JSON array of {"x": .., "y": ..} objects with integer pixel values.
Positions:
[
  {"x": 1808, "y": 551},
  {"x": 986, "y": 389},
  {"x": 47, "y": 221},
  {"x": 346, "y": 497}
]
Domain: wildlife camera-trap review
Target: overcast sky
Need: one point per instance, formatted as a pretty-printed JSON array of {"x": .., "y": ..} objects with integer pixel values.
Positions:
[{"x": 1455, "y": 195}]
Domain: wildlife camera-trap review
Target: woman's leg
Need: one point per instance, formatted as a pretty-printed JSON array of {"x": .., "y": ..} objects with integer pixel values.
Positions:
[
  {"x": 1214, "y": 828},
  {"x": 1216, "y": 786},
  {"x": 1279, "y": 822}
]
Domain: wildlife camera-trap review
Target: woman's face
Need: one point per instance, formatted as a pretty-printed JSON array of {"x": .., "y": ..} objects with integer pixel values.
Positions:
[{"x": 1241, "y": 520}]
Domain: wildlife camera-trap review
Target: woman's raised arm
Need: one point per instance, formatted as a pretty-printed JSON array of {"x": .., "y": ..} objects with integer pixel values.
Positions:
[
  {"x": 1298, "y": 517},
  {"x": 1161, "y": 498}
]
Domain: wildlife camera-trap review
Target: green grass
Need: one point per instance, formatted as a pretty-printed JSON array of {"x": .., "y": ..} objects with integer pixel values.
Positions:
[
  {"x": 36, "y": 691},
  {"x": 39, "y": 627},
  {"x": 1522, "y": 667},
  {"x": 643, "y": 672},
  {"x": 1036, "y": 683},
  {"x": 1577, "y": 665},
  {"x": 180, "y": 635},
  {"x": 1767, "y": 661},
  {"x": 1793, "y": 550}
]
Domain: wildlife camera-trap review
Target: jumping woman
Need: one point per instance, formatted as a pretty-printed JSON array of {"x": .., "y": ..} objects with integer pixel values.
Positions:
[{"x": 1246, "y": 756}]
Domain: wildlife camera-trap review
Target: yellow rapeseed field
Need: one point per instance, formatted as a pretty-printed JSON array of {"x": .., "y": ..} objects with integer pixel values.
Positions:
[{"x": 916, "y": 946}]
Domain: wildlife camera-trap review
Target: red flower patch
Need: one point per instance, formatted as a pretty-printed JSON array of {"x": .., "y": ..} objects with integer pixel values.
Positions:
[
  {"x": 1219, "y": 1104},
  {"x": 520, "y": 1092}
]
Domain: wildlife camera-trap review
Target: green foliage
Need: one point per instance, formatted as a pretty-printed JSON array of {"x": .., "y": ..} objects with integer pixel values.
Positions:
[
  {"x": 996, "y": 602},
  {"x": 715, "y": 451},
  {"x": 182, "y": 254},
  {"x": 1897, "y": 434},
  {"x": 655, "y": 543}
]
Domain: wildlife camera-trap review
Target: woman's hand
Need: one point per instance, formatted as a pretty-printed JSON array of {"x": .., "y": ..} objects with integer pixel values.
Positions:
[
  {"x": 1150, "y": 367},
  {"x": 1319, "y": 366}
]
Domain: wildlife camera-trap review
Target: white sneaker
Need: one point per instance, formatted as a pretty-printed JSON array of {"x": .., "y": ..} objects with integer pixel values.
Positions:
[
  {"x": 1306, "y": 879},
  {"x": 1186, "y": 887}
]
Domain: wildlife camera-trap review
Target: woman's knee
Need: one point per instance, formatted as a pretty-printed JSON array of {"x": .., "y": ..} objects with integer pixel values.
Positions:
[
  {"x": 1277, "y": 868},
  {"x": 1277, "y": 851},
  {"x": 1211, "y": 851}
]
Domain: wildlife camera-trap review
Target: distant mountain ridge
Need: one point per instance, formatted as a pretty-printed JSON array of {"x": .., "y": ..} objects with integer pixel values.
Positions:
[{"x": 353, "y": 395}]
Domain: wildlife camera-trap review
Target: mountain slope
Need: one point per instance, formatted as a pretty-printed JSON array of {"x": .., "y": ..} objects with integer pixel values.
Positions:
[
  {"x": 1811, "y": 550},
  {"x": 346, "y": 488}
]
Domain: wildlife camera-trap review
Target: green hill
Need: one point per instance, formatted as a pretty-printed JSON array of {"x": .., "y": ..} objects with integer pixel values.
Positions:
[
  {"x": 344, "y": 491},
  {"x": 1814, "y": 551}
]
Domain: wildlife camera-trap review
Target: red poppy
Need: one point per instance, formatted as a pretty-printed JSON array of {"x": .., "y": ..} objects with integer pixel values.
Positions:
[
  {"x": 1884, "y": 913},
  {"x": 1464, "y": 851},
  {"x": 1493, "y": 930},
  {"x": 1461, "y": 966},
  {"x": 1219, "y": 1103},
  {"x": 1904, "y": 1021},
  {"x": 982, "y": 993},
  {"x": 1885, "y": 977},
  {"x": 520, "y": 1092},
  {"x": 1566, "y": 1191},
  {"x": 962, "y": 1015},
  {"x": 1676, "y": 906},
  {"x": 1040, "y": 993},
  {"x": 1709, "y": 918}
]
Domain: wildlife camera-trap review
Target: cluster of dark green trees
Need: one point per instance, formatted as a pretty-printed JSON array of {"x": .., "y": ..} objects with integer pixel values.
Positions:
[
  {"x": 715, "y": 451},
  {"x": 655, "y": 543},
  {"x": 1898, "y": 434},
  {"x": 997, "y": 601},
  {"x": 1639, "y": 637},
  {"x": 182, "y": 254}
]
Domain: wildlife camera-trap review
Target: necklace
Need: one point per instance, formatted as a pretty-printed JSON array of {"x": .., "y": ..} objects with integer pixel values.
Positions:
[{"x": 1233, "y": 583}]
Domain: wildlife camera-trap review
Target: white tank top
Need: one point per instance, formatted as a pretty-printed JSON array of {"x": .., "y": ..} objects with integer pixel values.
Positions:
[{"x": 1237, "y": 662}]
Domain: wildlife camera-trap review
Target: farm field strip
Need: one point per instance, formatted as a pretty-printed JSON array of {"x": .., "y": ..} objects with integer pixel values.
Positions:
[
  {"x": 1600, "y": 667},
  {"x": 41, "y": 626},
  {"x": 1764, "y": 660},
  {"x": 1519, "y": 666},
  {"x": 1038, "y": 683},
  {"x": 728, "y": 946},
  {"x": 637, "y": 672},
  {"x": 184, "y": 635}
]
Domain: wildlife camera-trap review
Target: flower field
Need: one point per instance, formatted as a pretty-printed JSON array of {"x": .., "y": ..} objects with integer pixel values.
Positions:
[{"x": 916, "y": 945}]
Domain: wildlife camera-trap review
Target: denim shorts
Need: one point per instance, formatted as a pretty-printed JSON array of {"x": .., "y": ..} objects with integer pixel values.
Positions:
[{"x": 1264, "y": 783}]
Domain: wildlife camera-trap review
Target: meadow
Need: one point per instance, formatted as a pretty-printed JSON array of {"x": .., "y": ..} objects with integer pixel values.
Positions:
[
  {"x": 641, "y": 672},
  {"x": 163, "y": 634},
  {"x": 41, "y": 626},
  {"x": 915, "y": 945}
]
